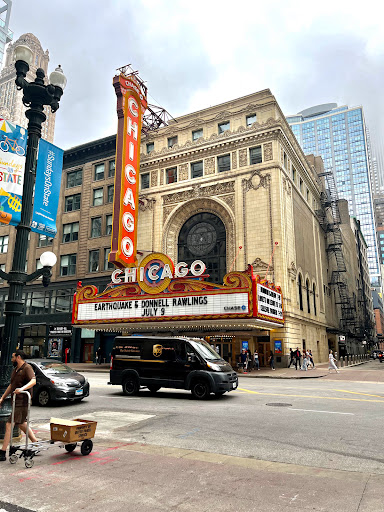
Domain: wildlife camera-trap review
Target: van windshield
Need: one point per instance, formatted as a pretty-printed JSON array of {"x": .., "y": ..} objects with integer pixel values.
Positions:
[{"x": 205, "y": 350}]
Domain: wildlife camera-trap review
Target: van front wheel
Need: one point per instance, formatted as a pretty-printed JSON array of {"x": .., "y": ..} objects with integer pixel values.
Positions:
[
  {"x": 130, "y": 385},
  {"x": 200, "y": 390}
]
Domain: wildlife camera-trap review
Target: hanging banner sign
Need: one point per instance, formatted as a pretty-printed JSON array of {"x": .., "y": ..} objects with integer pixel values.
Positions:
[
  {"x": 131, "y": 105},
  {"x": 47, "y": 189},
  {"x": 13, "y": 144}
]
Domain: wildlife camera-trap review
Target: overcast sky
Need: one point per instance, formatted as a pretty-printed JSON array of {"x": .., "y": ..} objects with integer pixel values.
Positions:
[{"x": 201, "y": 53}]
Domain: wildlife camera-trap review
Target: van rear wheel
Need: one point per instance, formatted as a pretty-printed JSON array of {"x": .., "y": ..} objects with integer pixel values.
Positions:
[
  {"x": 130, "y": 385},
  {"x": 200, "y": 390}
]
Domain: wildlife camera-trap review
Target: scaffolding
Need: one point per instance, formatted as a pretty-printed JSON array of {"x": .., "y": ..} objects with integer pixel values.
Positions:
[{"x": 330, "y": 220}]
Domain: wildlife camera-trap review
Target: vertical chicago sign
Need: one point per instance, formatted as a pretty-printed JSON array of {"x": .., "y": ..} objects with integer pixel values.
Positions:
[{"x": 131, "y": 104}]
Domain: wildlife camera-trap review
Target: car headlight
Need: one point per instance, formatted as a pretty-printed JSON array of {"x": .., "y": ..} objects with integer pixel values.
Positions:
[
  {"x": 214, "y": 367},
  {"x": 60, "y": 383}
]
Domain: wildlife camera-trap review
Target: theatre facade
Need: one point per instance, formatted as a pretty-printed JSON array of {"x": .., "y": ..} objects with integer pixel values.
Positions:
[{"x": 227, "y": 187}]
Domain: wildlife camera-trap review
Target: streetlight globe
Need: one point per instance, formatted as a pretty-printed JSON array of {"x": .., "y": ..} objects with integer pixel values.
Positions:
[
  {"x": 22, "y": 52},
  {"x": 58, "y": 78},
  {"x": 48, "y": 259}
]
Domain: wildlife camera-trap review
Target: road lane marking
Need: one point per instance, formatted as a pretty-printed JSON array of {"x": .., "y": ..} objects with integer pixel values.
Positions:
[
  {"x": 326, "y": 412},
  {"x": 357, "y": 393},
  {"x": 313, "y": 396}
]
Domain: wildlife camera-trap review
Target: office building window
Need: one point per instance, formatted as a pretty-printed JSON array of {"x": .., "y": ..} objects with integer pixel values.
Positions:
[
  {"x": 97, "y": 197},
  {"x": 95, "y": 227},
  {"x": 171, "y": 175},
  {"x": 111, "y": 169},
  {"x": 224, "y": 163},
  {"x": 68, "y": 265},
  {"x": 150, "y": 147},
  {"x": 308, "y": 296},
  {"x": 144, "y": 181},
  {"x": 70, "y": 232},
  {"x": 74, "y": 178},
  {"x": 2, "y": 267},
  {"x": 223, "y": 127},
  {"x": 197, "y": 134},
  {"x": 94, "y": 261},
  {"x": 197, "y": 169},
  {"x": 108, "y": 225},
  {"x": 301, "y": 185},
  {"x": 4, "y": 240},
  {"x": 72, "y": 203},
  {"x": 99, "y": 172},
  {"x": 172, "y": 141},
  {"x": 314, "y": 299},
  {"x": 300, "y": 292},
  {"x": 251, "y": 119},
  {"x": 107, "y": 264},
  {"x": 255, "y": 155},
  {"x": 293, "y": 174},
  {"x": 44, "y": 241},
  {"x": 110, "y": 191}
]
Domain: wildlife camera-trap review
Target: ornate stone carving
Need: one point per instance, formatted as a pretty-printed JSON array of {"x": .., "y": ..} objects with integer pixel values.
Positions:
[
  {"x": 242, "y": 157},
  {"x": 146, "y": 203},
  {"x": 161, "y": 176},
  {"x": 196, "y": 122},
  {"x": 234, "y": 160},
  {"x": 183, "y": 172},
  {"x": 260, "y": 267},
  {"x": 287, "y": 186},
  {"x": 268, "y": 152},
  {"x": 292, "y": 271},
  {"x": 230, "y": 200},
  {"x": 198, "y": 191},
  {"x": 209, "y": 165},
  {"x": 223, "y": 115},
  {"x": 166, "y": 211},
  {"x": 154, "y": 178},
  {"x": 256, "y": 181}
]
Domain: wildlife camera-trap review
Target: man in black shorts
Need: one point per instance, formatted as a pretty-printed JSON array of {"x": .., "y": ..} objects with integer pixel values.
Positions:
[{"x": 22, "y": 379}]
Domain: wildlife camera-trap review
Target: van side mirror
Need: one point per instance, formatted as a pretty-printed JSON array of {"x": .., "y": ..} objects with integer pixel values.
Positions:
[{"x": 191, "y": 358}]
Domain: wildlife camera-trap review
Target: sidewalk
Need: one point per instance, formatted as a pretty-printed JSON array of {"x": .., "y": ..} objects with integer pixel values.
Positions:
[{"x": 321, "y": 370}]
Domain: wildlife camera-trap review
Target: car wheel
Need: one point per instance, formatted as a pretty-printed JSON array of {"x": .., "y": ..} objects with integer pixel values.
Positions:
[
  {"x": 70, "y": 447},
  {"x": 130, "y": 385},
  {"x": 200, "y": 390},
  {"x": 43, "y": 398},
  {"x": 153, "y": 389}
]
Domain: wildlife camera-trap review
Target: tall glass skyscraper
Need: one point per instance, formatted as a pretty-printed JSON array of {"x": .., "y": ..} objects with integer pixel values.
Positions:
[
  {"x": 338, "y": 135},
  {"x": 6, "y": 35}
]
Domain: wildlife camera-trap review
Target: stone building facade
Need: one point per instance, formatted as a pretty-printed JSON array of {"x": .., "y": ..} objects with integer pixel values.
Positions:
[{"x": 228, "y": 185}]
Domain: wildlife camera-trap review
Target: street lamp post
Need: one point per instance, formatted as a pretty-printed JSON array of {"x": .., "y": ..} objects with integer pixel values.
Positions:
[{"x": 35, "y": 96}]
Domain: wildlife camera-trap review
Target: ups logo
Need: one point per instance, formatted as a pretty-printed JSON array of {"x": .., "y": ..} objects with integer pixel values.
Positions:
[{"x": 157, "y": 350}]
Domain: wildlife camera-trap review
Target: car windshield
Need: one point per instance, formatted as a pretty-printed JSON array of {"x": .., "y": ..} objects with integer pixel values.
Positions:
[
  {"x": 205, "y": 350},
  {"x": 54, "y": 367}
]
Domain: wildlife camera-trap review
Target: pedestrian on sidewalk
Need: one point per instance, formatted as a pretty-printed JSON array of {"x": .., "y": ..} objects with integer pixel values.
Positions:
[
  {"x": 311, "y": 359},
  {"x": 256, "y": 360},
  {"x": 292, "y": 357},
  {"x": 250, "y": 361},
  {"x": 244, "y": 360},
  {"x": 332, "y": 362},
  {"x": 22, "y": 379},
  {"x": 297, "y": 358},
  {"x": 305, "y": 362},
  {"x": 271, "y": 361},
  {"x": 98, "y": 355}
]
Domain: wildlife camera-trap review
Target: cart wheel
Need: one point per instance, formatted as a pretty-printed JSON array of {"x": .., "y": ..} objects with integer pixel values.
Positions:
[
  {"x": 13, "y": 458},
  {"x": 86, "y": 447},
  {"x": 29, "y": 463},
  {"x": 70, "y": 447}
]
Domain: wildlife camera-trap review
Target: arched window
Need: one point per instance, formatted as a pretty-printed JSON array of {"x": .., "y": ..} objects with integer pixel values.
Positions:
[
  {"x": 307, "y": 285},
  {"x": 314, "y": 298},
  {"x": 300, "y": 291},
  {"x": 203, "y": 237}
]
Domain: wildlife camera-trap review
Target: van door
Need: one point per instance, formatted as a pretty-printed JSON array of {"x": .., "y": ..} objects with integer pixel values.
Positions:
[
  {"x": 157, "y": 356},
  {"x": 179, "y": 367}
]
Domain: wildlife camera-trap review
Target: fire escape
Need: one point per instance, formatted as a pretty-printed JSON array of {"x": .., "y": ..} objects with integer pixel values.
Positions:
[{"x": 330, "y": 220}]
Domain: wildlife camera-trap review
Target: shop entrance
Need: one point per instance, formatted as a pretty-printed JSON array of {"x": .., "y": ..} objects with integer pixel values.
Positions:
[
  {"x": 223, "y": 346},
  {"x": 264, "y": 348}
]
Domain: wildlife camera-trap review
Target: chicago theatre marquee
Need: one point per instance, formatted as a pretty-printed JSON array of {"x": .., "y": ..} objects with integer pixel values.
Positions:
[{"x": 224, "y": 206}]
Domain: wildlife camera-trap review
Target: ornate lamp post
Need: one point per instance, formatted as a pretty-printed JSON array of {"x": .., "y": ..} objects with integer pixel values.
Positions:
[{"x": 35, "y": 96}]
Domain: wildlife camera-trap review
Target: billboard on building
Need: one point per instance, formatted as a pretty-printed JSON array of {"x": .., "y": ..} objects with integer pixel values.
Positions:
[
  {"x": 131, "y": 105},
  {"x": 13, "y": 143}
]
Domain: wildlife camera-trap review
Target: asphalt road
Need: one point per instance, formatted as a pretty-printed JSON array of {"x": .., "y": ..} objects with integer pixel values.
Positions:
[{"x": 318, "y": 423}]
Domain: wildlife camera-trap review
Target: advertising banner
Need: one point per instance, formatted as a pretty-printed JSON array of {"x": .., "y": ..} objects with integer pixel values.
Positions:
[
  {"x": 47, "y": 189},
  {"x": 131, "y": 105},
  {"x": 13, "y": 143},
  {"x": 278, "y": 347}
]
